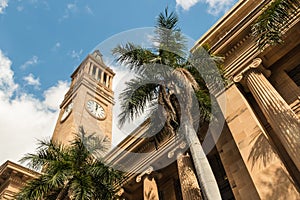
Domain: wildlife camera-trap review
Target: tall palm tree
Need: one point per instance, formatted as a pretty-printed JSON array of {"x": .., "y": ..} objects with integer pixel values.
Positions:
[
  {"x": 70, "y": 172},
  {"x": 275, "y": 18},
  {"x": 169, "y": 77}
]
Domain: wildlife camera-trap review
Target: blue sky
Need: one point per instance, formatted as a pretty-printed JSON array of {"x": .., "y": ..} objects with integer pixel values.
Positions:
[{"x": 42, "y": 42}]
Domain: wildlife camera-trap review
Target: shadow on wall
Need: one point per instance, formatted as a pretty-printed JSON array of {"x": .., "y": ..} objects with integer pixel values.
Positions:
[
  {"x": 261, "y": 153},
  {"x": 277, "y": 183},
  {"x": 279, "y": 188}
]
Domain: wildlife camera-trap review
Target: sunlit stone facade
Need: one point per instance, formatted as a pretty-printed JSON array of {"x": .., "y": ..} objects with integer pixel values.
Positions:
[
  {"x": 257, "y": 153},
  {"x": 12, "y": 178}
]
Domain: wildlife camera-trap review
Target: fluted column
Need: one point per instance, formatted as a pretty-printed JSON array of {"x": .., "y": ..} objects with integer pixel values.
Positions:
[
  {"x": 188, "y": 181},
  {"x": 150, "y": 188},
  {"x": 279, "y": 114}
]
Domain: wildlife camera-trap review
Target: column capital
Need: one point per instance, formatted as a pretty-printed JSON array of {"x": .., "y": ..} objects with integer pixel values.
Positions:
[
  {"x": 284, "y": 122},
  {"x": 120, "y": 192},
  {"x": 178, "y": 148},
  {"x": 256, "y": 64},
  {"x": 148, "y": 171}
]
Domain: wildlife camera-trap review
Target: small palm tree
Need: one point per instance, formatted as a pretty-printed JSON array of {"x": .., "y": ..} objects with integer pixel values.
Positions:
[
  {"x": 162, "y": 73},
  {"x": 273, "y": 21},
  {"x": 70, "y": 172}
]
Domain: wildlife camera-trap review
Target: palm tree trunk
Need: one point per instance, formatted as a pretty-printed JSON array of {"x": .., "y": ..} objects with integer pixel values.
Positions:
[
  {"x": 206, "y": 178},
  {"x": 64, "y": 192}
]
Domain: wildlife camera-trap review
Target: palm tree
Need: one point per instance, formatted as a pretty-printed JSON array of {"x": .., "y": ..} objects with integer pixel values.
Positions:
[
  {"x": 169, "y": 77},
  {"x": 70, "y": 172},
  {"x": 275, "y": 18}
]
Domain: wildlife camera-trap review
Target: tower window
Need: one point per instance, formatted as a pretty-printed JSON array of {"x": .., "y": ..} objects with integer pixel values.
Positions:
[
  {"x": 99, "y": 75},
  {"x": 104, "y": 78},
  {"x": 94, "y": 71}
]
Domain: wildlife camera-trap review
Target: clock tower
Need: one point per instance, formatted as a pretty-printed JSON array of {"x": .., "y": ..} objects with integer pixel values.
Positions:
[{"x": 88, "y": 102}]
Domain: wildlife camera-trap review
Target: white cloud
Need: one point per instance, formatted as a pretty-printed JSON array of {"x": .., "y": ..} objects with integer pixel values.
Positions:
[
  {"x": 24, "y": 118},
  {"x": 53, "y": 93},
  {"x": 122, "y": 75},
  {"x": 38, "y": 3},
  {"x": 215, "y": 7},
  {"x": 7, "y": 85},
  {"x": 71, "y": 8},
  {"x": 20, "y": 8},
  {"x": 75, "y": 8},
  {"x": 32, "y": 61},
  {"x": 31, "y": 80},
  {"x": 89, "y": 10},
  {"x": 56, "y": 46},
  {"x": 3, "y": 5},
  {"x": 186, "y": 4},
  {"x": 76, "y": 54}
]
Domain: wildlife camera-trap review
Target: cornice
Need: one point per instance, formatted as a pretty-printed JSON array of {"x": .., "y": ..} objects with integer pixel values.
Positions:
[
  {"x": 95, "y": 61},
  {"x": 242, "y": 54},
  {"x": 229, "y": 25},
  {"x": 87, "y": 81},
  {"x": 128, "y": 144},
  {"x": 103, "y": 65},
  {"x": 18, "y": 168},
  {"x": 140, "y": 164}
]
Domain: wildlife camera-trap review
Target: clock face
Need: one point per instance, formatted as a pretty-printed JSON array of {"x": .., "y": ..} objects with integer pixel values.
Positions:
[
  {"x": 95, "y": 109},
  {"x": 67, "y": 111}
]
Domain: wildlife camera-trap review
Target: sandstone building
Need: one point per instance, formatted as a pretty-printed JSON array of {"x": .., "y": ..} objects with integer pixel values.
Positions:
[
  {"x": 12, "y": 178},
  {"x": 257, "y": 153}
]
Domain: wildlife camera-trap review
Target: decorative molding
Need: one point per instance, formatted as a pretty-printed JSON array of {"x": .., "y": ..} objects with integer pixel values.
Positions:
[
  {"x": 120, "y": 192},
  {"x": 256, "y": 63},
  {"x": 148, "y": 171},
  {"x": 237, "y": 45},
  {"x": 182, "y": 145}
]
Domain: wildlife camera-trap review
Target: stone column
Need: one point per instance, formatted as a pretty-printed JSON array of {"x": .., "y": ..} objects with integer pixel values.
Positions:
[
  {"x": 279, "y": 114},
  {"x": 150, "y": 188},
  {"x": 110, "y": 82},
  {"x": 107, "y": 80},
  {"x": 188, "y": 181},
  {"x": 150, "y": 191},
  {"x": 102, "y": 75}
]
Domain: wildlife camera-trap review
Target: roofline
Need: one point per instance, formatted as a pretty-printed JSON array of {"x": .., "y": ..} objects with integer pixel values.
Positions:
[
  {"x": 92, "y": 58},
  {"x": 18, "y": 167},
  {"x": 220, "y": 25}
]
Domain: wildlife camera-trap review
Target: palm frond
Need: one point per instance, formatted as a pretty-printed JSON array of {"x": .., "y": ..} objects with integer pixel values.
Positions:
[
  {"x": 133, "y": 56},
  {"x": 35, "y": 189},
  {"x": 167, "y": 20},
  {"x": 268, "y": 27},
  {"x": 205, "y": 105},
  {"x": 207, "y": 69},
  {"x": 47, "y": 152},
  {"x": 170, "y": 43},
  {"x": 135, "y": 98},
  {"x": 96, "y": 145},
  {"x": 69, "y": 171}
]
